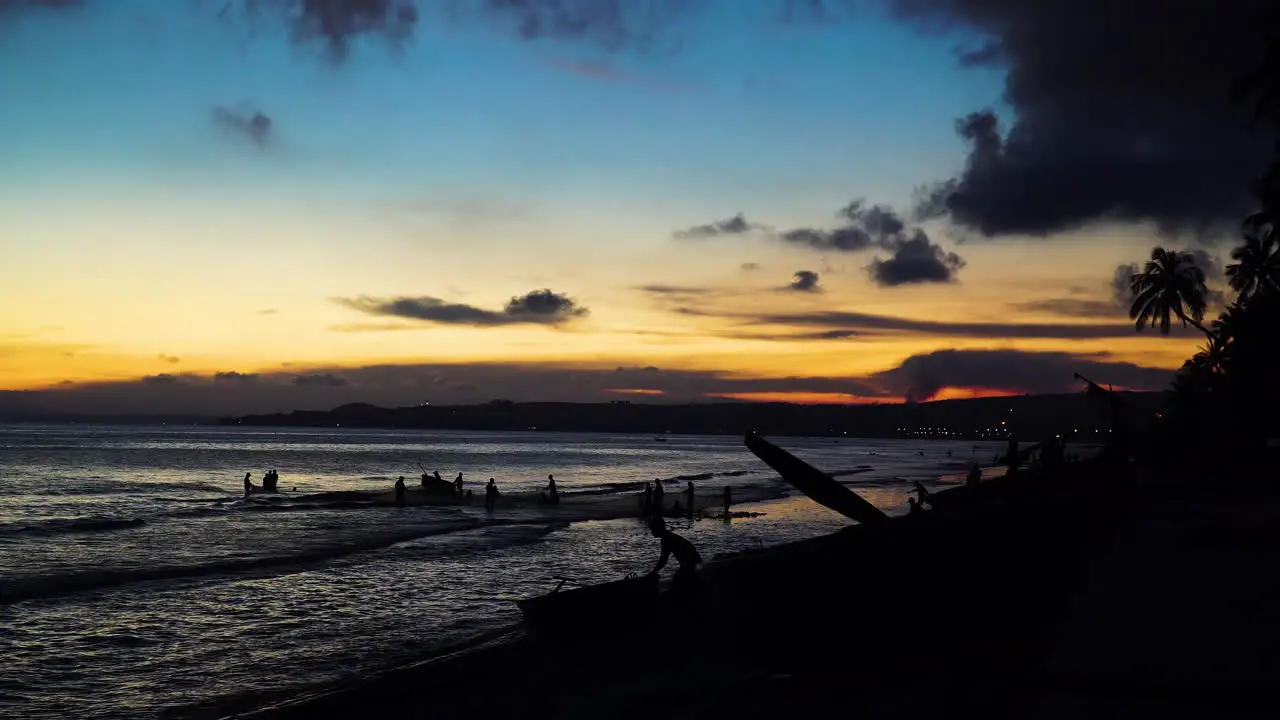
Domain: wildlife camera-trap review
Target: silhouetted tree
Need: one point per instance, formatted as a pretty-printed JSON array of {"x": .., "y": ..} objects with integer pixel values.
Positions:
[
  {"x": 1170, "y": 285},
  {"x": 1257, "y": 262}
]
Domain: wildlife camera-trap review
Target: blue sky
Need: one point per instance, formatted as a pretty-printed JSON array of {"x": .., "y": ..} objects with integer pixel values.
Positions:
[{"x": 468, "y": 165}]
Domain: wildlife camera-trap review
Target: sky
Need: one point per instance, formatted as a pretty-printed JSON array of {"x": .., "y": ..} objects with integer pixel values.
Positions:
[{"x": 228, "y": 206}]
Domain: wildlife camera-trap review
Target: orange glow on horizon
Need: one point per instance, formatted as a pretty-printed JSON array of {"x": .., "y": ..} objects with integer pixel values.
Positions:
[
  {"x": 964, "y": 393},
  {"x": 804, "y": 398}
]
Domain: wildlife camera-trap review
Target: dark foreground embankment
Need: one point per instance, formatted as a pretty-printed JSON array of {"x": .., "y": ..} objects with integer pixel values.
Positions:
[{"x": 946, "y": 610}]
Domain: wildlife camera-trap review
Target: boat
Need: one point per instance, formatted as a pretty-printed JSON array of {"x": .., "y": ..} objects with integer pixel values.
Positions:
[{"x": 590, "y": 607}]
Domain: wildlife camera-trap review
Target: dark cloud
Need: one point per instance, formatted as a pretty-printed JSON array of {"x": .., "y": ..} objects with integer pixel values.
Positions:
[
  {"x": 269, "y": 311},
  {"x": 1122, "y": 110},
  {"x": 253, "y": 125},
  {"x": 736, "y": 225},
  {"x": 537, "y": 307},
  {"x": 1072, "y": 307},
  {"x": 679, "y": 290},
  {"x": 168, "y": 358},
  {"x": 394, "y": 385},
  {"x": 865, "y": 228},
  {"x": 1121, "y": 284},
  {"x": 865, "y": 322},
  {"x": 235, "y": 377},
  {"x": 915, "y": 260},
  {"x": 320, "y": 380},
  {"x": 920, "y": 377},
  {"x": 749, "y": 266},
  {"x": 799, "y": 336},
  {"x": 844, "y": 239},
  {"x": 805, "y": 281},
  {"x": 335, "y": 21},
  {"x": 161, "y": 379}
]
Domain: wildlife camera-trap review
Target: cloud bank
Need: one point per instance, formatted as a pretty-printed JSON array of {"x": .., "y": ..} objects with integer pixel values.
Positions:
[{"x": 1122, "y": 112}]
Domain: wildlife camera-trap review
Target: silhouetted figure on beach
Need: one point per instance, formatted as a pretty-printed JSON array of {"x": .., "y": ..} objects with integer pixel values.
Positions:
[
  {"x": 490, "y": 494},
  {"x": 913, "y": 507},
  {"x": 457, "y": 482},
  {"x": 1011, "y": 455},
  {"x": 658, "y": 502},
  {"x": 400, "y": 490},
  {"x": 673, "y": 544},
  {"x": 922, "y": 495},
  {"x": 426, "y": 479},
  {"x": 688, "y": 494},
  {"x": 270, "y": 480},
  {"x": 728, "y": 500},
  {"x": 975, "y": 475},
  {"x": 675, "y": 509},
  {"x": 552, "y": 494},
  {"x": 248, "y": 484},
  {"x": 1051, "y": 452},
  {"x": 647, "y": 498}
]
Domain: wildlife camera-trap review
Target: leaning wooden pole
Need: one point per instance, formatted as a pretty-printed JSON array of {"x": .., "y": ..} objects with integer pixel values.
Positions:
[{"x": 816, "y": 484}]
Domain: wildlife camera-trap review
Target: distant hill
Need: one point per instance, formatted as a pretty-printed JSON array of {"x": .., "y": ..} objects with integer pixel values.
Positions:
[{"x": 1029, "y": 416}]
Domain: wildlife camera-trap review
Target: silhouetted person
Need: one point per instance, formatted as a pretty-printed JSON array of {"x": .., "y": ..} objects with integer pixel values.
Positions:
[
  {"x": 975, "y": 475},
  {"x": 436, "y": 475},
  {"x": 728, "y": 500},
  {"x": 400, "y": 490},
  {"x": 551, "y": 489},
  {"x": 648, "y": 497},
  {"x": 673, "y": 544},
  {"x": 490, "y": 494},
  {"x": 688, "y": 494},
  {"x": 457, "y": 482},
  {"x": 675, "y": 508},
  {"x": 248, "y": 484},
  {"x": 658, "y": 503},
  {"x": 921, "y": 493},
  {"x": 425, "y": 479}
]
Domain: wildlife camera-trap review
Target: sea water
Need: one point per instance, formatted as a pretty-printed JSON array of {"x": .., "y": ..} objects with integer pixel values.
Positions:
[{"x": 136, "y": 579}]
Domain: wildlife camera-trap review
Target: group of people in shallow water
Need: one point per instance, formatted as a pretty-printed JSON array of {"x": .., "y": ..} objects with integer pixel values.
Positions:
[
  {"x": 433, "y": 484},
  {"x": 270, "y": 481},
  {"x": 653, "y": 500}
]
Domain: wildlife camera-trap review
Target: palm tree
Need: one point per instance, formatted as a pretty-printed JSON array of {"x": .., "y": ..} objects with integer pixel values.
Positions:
[
  {"x": 1257, "y": 266},
  {"x": 1170, "y": 285}
]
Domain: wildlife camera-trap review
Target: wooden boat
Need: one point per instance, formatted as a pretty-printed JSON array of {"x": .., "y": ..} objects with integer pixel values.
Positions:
[{"x": 589, "y": 607}]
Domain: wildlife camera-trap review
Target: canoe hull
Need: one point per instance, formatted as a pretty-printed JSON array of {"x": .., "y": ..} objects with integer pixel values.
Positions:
[{"x": 588, "y": 608}]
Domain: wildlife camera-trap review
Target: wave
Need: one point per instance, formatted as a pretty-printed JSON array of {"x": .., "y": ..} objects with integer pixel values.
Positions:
[
  {"x": 117, "y": 487},
  {"x": 31, "y": 588},
  {"x": 62, "y": 526}
]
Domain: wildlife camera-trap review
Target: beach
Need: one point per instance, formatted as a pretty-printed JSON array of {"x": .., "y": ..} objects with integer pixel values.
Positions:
[
  {"x": 932, "y": 615},
  {"x": 137, "y": 581},
  {"x": 1081, "y": 594}
]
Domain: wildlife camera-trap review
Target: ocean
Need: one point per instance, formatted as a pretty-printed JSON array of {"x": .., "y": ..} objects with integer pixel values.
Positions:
[{"x": 137, "y": 580}]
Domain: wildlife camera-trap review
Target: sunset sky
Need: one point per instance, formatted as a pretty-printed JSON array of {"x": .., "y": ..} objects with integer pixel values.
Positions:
[{"x": 673, "y": 178}]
